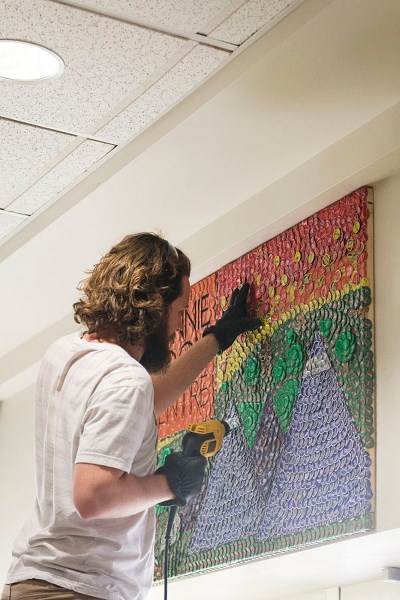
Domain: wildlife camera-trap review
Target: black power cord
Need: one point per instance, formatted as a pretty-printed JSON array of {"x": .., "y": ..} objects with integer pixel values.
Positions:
[{"x": 171, "y": 517}]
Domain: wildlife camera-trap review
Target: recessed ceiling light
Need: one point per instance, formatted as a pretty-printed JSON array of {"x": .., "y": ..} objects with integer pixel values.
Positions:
[{"x": 24, "y": 61}]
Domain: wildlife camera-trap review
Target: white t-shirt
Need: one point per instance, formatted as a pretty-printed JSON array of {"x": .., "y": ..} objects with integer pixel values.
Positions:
[{"x": 94, "y": 404}]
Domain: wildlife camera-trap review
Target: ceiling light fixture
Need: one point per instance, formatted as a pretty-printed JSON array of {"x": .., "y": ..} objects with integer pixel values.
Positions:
[{"x": 25, "y": 61}]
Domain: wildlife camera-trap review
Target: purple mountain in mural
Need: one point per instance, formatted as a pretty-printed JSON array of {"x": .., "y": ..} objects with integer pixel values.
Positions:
[
  {"x": 267, "y": 447},
  {"x": 323, "y": 473},
  {"x": 234, "y": 503}
]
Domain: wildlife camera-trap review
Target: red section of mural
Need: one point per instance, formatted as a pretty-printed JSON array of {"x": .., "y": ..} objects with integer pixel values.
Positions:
[
  {"x": 323, "y": 254},
  {"x": 197, "y": 403}
]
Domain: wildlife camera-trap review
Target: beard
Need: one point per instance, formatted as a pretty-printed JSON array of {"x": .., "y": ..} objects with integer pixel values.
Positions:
[{"x": 157, "y": 354}]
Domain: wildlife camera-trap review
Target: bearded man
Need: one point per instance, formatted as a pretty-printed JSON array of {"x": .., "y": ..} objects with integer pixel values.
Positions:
[{"x": 98, "y": 395}]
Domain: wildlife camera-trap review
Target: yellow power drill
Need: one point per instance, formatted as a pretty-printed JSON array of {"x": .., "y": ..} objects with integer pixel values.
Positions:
[{"x": 205, "y": 438}]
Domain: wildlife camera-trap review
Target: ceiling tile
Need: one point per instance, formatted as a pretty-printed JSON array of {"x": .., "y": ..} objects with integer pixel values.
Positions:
[
  {"x": 25, "y": 153},
  {"x": 175, "y": 84},
  {"x": 105, "y": 61},
  {"x": 61, "y": 176},
  {"x": 9, "y": 222},
  {"x": 251, "y": 17},
  {"x": 189, "y": 16}
]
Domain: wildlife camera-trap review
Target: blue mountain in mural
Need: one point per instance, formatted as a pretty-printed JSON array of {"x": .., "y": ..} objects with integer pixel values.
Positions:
[
  {"x": 323, "y": 472},
  {"x": 234, "y": 504}
]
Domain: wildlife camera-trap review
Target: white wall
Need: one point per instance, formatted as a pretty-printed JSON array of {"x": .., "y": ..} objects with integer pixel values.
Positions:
[
  {"x": 361, "y": 591},
  {"x": 16, "y": 469},
  {"x": 387, "y": 347},
  {"x": 371, "y": 591}
]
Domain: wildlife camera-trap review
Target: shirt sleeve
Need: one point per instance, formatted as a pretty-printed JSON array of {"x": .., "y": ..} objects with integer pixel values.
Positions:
[{"x": 114, "y": 425}]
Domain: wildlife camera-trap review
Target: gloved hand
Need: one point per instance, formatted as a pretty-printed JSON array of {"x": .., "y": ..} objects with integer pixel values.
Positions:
[
  {"x": 185, "y": 476},
  {"x": 234, "y": 320}
]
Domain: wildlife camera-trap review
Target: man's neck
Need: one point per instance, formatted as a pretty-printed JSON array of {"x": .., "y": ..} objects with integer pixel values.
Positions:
[{"x": 136, "y": 351}]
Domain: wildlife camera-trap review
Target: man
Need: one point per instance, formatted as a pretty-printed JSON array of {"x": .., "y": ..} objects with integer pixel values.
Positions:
[{"x": 92, "y": 528}]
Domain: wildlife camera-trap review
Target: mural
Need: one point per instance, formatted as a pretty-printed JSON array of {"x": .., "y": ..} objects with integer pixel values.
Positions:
[{"x": 297, "y": 467}]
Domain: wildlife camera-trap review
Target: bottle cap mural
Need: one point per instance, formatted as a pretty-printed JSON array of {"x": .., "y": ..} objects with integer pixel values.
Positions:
[{"x": 297, "y": 467}]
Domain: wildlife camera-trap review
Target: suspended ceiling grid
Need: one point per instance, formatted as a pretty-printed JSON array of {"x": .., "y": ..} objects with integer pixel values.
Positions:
[{"x": 126, "y": 64}]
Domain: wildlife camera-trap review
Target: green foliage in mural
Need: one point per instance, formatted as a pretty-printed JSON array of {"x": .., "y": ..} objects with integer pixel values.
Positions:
[
  {"x": 345, "y": 346},
  {"x": 325, "y": 327},
  {"x": 294, "y": 359},
  {"x": 252, "y": 370},
  {"x": 285, "y": 400},
  {"x": 279, "y": 370},
  {"x": 250, "y": 415}
]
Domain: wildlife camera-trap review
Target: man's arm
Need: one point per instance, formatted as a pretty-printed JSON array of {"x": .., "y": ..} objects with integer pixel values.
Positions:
[
  {"x": 101, "y": 492},
  {"x": 182, "y": 372}
]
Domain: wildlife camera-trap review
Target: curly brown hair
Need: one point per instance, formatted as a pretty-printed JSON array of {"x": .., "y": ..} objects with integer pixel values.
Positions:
[{"x": 128, "y": 291}]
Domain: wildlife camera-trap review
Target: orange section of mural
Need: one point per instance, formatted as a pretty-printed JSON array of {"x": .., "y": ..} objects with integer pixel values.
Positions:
[{"x": 197, "y": 403}]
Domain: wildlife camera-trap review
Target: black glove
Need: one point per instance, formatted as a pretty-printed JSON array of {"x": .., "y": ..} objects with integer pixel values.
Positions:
[
  {"x": 234, "y": 320},
  {"x": 185, "y": 476}
]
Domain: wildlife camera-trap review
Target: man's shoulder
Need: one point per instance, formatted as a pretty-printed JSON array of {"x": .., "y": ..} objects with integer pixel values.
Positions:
[
  {"x": 96, "y": 361},
  {"x": 113, "y": 364}
]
